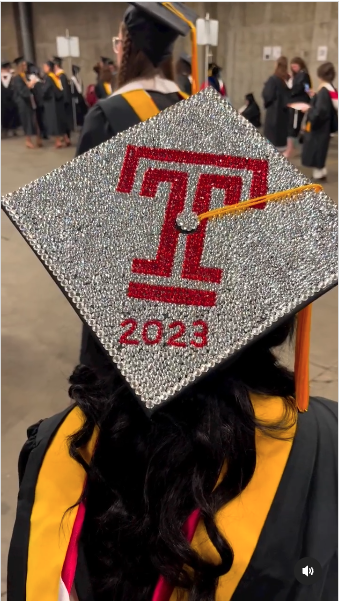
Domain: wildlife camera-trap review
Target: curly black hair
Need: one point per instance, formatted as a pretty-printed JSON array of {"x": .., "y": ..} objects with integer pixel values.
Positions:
[{"x": 148, "y": 474}]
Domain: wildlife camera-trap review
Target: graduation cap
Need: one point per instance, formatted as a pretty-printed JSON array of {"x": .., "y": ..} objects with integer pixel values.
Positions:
[
  {"x": 154, "y": 27},
  {"x": 51, "y": 64},
  {"x": 57, "y": 61},
  {"x": 185, "y": 58},
  {"x": 75, "y": 69},
  {"x": 18, "y": 60},
  {"x": 181, "y": 241},
  {"x": 104, "y": 60},
  {"x": 5, "y": 65}
]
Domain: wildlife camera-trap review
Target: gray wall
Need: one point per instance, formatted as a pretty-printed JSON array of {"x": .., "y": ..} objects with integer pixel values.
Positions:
[{"x": 244, "y": 29}]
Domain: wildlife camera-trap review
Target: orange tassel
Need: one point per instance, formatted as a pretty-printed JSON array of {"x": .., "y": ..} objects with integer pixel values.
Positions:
[{"x": 302, "y": 355}]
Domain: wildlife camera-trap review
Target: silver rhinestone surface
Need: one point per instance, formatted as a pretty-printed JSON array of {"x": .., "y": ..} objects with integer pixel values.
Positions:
[{"x": 87, "y": 234}]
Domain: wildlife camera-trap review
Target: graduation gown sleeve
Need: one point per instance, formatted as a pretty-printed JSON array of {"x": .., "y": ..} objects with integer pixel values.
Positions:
[{"x": 95, "y": 131}]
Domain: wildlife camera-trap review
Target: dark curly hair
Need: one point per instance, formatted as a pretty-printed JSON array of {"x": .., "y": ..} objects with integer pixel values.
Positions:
[{"x": 149, "y": 473}]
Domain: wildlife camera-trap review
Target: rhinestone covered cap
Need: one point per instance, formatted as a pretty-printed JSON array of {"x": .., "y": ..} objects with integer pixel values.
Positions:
[{"x": 168, "y": 305}]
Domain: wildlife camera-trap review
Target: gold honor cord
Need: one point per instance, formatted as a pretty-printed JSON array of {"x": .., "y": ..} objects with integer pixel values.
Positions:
[
  {"x": 195, "y": 74},
  {"x": 253, "y": 202}
]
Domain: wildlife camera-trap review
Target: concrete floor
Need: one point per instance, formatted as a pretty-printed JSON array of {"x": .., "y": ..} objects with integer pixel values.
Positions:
[{"x": 41, "y": 332}]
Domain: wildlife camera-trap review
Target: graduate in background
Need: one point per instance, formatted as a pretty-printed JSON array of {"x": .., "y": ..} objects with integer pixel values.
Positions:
[
  {"x": 9, "y": 111},
  {"x": 34, "y": 76},
  {"x": 214, "y": 80},
  {"x": 251, "y": 111},
  {"x": 77, "y": 96},
  {"x": 54, "y": 106},
  {"x": 24, "y": 100},
  {"x": 322, "y": 121},
  {"x": 183, "y": 72},
  {"x": 104, "y": 87},
  {"x": 58, "y": 70}
]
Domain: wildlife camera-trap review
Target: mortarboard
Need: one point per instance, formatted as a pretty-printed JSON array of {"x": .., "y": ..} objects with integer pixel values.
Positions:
[
  {"x": 154, "y": 27},
  {"x": 185, "y": 58},
  {"x": 127, "y": 231},
  {"x": 5, "y": 65},
  {"x": 57, "y": 61},
  {"x": 75, "y": 69},
  {"x": 104, "y": 60},
  {"x": 18, "y": 60},
  {"x": 51, "y": 64}
]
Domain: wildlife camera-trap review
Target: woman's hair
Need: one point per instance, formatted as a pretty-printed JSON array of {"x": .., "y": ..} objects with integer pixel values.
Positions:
[
  {"x": 326, "y": 72},
  {"x": 105, "y": 74},
  {"x": 299, "y": 61},
  {"x": 148, "y": 474},
  {"x": 135, "y": 64},
  {"x": 281, "y": 69}
]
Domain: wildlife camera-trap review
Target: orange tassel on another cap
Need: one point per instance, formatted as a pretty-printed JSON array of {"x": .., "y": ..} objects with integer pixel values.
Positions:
[{"x": 302, "y": 355}]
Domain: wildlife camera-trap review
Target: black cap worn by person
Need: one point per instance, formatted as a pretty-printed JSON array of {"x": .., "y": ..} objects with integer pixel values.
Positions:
[
  {"x": 32, "y": 69},
  {"x": 185, "y": 58},
  {"x": 57, "y": 61},
  {"x": 18, "y": 60},
  {"x": 154, "y": 27},
  {"x": 50, "y": 64},
  {"x": 5, "y": 65},
  {"x": 104, "y": 60},
  {"x": 169, "y": 291}
]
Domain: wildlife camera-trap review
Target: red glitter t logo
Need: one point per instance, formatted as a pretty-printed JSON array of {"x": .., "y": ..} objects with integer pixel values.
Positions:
[{"x": 162, "y": 264}]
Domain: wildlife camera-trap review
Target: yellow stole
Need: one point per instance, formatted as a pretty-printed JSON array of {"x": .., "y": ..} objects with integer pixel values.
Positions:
[
  {"x": 56, "y": 80},
  {"x": 60, "y": 484},
  {"x": 23, "y": 76},
  {"x": 108, "y": 88}
]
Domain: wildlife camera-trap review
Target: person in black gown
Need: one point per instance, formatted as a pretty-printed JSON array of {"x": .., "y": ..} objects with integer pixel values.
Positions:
[
  {"x": 300, "y": 85},
  {"x": 9, "y": 112},
  {"x": 144, "y": 36},
  {"x": 77, "y": 95},
  {"x": 23, "y": 97},
  {"x": 68, "y": 112},
  {"x": 276, "y": 97},
  {"x": 54, "y": 106},
  {"x": 251, "y": 111},
  {"x": 183, "y": 70},
  {"x": 37, "y": 92}
]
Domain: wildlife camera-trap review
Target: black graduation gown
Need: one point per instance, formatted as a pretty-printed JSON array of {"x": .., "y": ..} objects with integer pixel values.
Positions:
[
  {"x": 103, "y": 121},
  {"x": 68, "y": 112},
  {"x": 37, "y": 93},
  {"x": 298, "y": 94},
  {"x": 316, "y": 142},
  {"x": 24, "y": 102},
  {"x": 9, "y": 112},
  {"x": 81, "y": 108},
  {"x": 185, "y": 84},
  {"x": 54, "y": 108},
  {"x": 302, "y": 521},
  {"x": 276, "y": 97},
  {"x": 252, "y": 114}
]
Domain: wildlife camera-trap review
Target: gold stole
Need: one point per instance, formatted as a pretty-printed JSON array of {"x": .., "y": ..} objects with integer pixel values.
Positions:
[
  {"x": 108, "y": 88},
  {"x": 60, "y": 484},
  {"x": 56, "y": 80}
]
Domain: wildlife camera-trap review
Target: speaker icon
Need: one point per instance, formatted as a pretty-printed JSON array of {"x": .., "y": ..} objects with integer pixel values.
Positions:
[{"x": 308, "y": 571}]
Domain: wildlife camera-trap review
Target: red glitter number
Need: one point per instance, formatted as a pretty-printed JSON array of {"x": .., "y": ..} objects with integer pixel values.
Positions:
[
  {"x": 158, "y": 335},
  {"x": 231, "y": 185},
  {"x": 163, "y": 263},
  {"x": 124, "y": 338},
  {"x": 174, "y": 340},
  {"x": 200, "y": 335}
]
